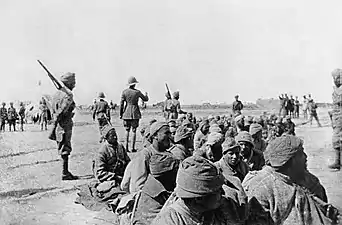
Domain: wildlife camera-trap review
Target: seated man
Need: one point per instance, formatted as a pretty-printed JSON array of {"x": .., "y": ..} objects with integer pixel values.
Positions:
[
  {"x": 183, "y": 143},
  {"x": 112, "y": 158},
  {"x": 256, "y": 132},
  {"x": 200, "y": 196},
  {"x": 231, "y": 163},
  {"x": 254, "y": 159},
  {"x": 212, "y": 149},
  {"x": 201, "y": 134},
  {"x": 137, "y": 170},
  {"x": 289, "y": 126},
  {"x": 284, "y": 191},
  {"x": 159, "y": 185}
]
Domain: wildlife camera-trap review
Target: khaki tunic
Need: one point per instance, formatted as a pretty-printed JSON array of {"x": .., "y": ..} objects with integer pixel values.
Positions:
[
  {"x": 337, "y": 118},
  {"x": 129, "y": 108}
]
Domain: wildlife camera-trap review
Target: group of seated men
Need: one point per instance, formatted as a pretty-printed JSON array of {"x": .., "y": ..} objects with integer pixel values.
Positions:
[{"x": 216, "y": 170}]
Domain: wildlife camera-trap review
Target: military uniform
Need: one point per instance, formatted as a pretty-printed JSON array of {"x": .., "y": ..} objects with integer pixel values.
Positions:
[
  {"x": 12, "y": 117},
  {"x": 43, "y": 115},
  {"x": 22, "y": 116},
  {"x": 167, "y": 107},
  {"x": 111, "y": 162},
  {"x": 63, "y": 106},
  {"x": 237, "y": 107},
  {"x": 3, "y": 117},
  {"x": 174, "y": 108},
  {"x": 102, "y": 113}
]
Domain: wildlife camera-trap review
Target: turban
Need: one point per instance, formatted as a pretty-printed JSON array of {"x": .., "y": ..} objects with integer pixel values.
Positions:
[
  {"x": 161, "y": 163},
  {"x": 198, "y": 177},
  {"x": 176, "y": 94},
  {"x": 244, "y": 136},
  {"x": 282, "y": 149},
  {"x": 215, "y": 129},
  {"x": 183, "y": 132},
  {"x": 214, "y": 138},
  {"x": 229, "y": 144},
  {"x": 238, "y": 118},
  {"x": 156, "y": 126},
  {"x": 255, "y": 128},
  {"x": 202, "y": 124},
  {"x": 336, "y": 72},
  {"x": 68, "y": 78},
  {"x": 105, "y": 130}
]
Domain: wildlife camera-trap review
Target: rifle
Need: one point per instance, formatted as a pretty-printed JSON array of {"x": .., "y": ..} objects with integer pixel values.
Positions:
[
  {"x": 168, "y": 90},
  {"x": 58, "y": 85},
  {"x": 55, "y": 82}
]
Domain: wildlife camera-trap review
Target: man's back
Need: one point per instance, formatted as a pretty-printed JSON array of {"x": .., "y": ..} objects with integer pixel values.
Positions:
[{"x": 129, "y": 103}]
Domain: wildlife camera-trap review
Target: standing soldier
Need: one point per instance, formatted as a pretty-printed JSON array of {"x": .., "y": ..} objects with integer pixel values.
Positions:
[
  {"x": 22, "y": 115},
  {"x": 282, "y": 104},
  {"x": 3, "y": 117},
  {"x": 102, "y": 112},
  {"x": 305, "y": 107},
  {"x": 336, "y": 115},
  {"x": 313, "y": 112},
  {"x": 175, "y": 106},
  {"x": 297, "y": 108},
  {"x": 167, "y": 106},
  {"x": 12, "y": 116},
  {"x": 43, "y": 114},
  {"x": 129, "y": 109},
  {"x": 62, "y": 106},
  {"x": 237, "y": 106}
]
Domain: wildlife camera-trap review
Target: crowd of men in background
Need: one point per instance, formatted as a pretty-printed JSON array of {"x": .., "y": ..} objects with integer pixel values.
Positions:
[{"x": 230, "y": 169}]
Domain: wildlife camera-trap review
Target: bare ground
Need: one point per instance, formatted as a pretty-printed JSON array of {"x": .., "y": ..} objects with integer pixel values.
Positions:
[{"x": 32, "y": 192}]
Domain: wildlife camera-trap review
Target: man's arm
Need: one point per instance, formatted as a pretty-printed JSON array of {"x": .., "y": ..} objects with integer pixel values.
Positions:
[
  {"x": 144, "y": 97},
  {"x": 122, "y": 104},
  {"x": 94, "y": 111},
  {"x": 101, "y": 165}
]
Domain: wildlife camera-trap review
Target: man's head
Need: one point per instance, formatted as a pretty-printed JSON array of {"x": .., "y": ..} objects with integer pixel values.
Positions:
[
  {"x": 236, "y": 97},
  {"x": 160, "y": 136},
  {"x": 304, "y": 96},
  {"x": 189, "y": 116},
  {"x": 101, "y": 95},
  {"x": 204, "y": 127},
  {"x": 231, "y": 151},
  {"x": 286, "y": 95},
  {"x": 109, "y": 134},
  {"x": 176, "y": 94},
  {"x": 336, "y": 74},
  {"x": 213, "y": 146},
  {"x": 184, "y": 136},
  {"x": 199, "y": 184},
  {"x": 164, "y": 167},
  {"x": 286, "y": 154},
  {"x": 132, "y": 81},
  {"x": 173, "y": 126},
  {"x": 246, "y": 142},
  {"x": 256, "y": 131},
  {"x": 11, "y": 104},
  {"x": 239, "y": 121},
  {"x": 3, "y": 104},
  {"x": 69, "y": 80}
]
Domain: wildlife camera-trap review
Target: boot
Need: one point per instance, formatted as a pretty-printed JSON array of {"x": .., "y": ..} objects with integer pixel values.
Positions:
[
  {"x": 127, "y": 140},
  {"x": 337, "y": 164},
  {"x": 134, "y": 137},
  {"x": 66, "y": 175}
]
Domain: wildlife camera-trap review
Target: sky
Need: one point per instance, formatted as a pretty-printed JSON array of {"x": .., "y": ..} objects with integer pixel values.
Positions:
[{"x": 209, "y": 50}]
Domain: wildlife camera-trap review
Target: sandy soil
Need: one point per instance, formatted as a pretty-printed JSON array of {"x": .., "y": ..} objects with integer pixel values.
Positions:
[{"x": 32, "y": 192}]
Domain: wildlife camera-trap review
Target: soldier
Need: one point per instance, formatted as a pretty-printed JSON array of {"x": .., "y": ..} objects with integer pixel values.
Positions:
[
  {"x": 12, "y": 117},
  {"x": 313, "y": 112},
  {"x": 305, "y": 107},
  {"x": 176, "y": 107},
  {"x": 22, "y": 115},
  {"x": 129, "y": 109},
  {"x": 183, "y": 143},
  {"x": 336, "y": 118},
  {"x": 289, "y": 126},
  {"x": 43, "y": 114},
  {"x": 101, "y": 112},
  {"x": 3, "y": 117},
  {"x": 167, "y": 106},
  {"x": 62, "y": 106},
  {"x": 237, "y": 106},
  {"x": 296, "y": 115},
  {"x": 253, "y": 158},
  {"x": 282, "y": 104}
]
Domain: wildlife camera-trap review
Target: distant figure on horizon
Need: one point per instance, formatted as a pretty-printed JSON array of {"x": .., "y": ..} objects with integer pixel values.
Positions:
[
  {"x": 305, "y": 107},
  {"x": 12, "y": 117},
  {"x": 237, "y": 106},
  {"x": 129, "y": 109},
  {"x": 101, "y": 113},
  {"x": 22, "y": 115},
  {"x": 282, "y": 104},
  {"x": 167, "y": 106},
  {"x": 297, "y": 104},
  {"x": 3, "y": 117}
]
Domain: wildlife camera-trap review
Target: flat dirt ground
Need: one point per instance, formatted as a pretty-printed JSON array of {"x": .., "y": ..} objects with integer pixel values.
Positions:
[{"x": 32, "y": 192}]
